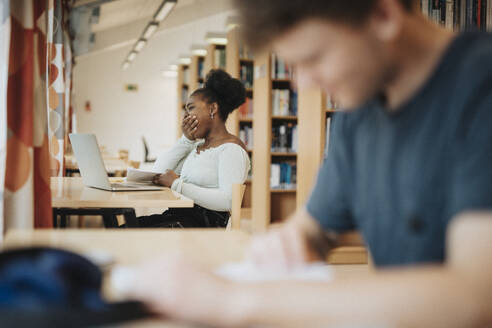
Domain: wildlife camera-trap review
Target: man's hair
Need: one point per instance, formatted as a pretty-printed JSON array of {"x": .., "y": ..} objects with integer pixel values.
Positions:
[{"x": 264, "y": 20}]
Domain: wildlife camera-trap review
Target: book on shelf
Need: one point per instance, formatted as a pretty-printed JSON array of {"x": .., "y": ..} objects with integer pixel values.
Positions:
[
  {"x": 246, "y": 136},
  {"x": 331, "y": 103},
  {"x": 283, "y": 175},
  {"x": 284, "y": 102},
  {"x": 459, "y": 14},
  {"x": 201, "y": 71},
  {"x": 284, "y": 138},
  {"x": 280, "y": 70},
  {"x": 246, "y": 109},
  {"x": 245, "y": 52},
  {"x": 246, "y": 75},
  {"x": 220, "y": 58},
  {"x": 327, "y": 137}
]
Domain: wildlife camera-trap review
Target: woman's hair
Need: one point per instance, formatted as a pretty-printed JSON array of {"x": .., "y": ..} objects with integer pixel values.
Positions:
[{"x": 229, "y": 93}]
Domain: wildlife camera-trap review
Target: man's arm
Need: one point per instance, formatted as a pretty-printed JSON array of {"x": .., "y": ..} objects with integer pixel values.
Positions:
[{"x": 456, "y": 294}]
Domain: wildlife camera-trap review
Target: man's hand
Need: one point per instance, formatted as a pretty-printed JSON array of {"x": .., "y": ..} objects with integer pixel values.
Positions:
[
  {"x": 179, "y": 289},
  {"x": 166, "y": 179},
  {"x": 296, "y": 242},
  {"x": 189, "y": 126}
]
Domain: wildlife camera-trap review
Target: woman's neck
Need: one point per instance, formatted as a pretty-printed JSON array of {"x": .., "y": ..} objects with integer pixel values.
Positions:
[{"x": 217, "y": 133}]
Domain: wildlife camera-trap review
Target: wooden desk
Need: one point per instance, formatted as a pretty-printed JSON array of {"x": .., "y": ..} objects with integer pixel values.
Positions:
[
  {"x": 211, "y": 247},
  {"x": 70, "y": 196}
]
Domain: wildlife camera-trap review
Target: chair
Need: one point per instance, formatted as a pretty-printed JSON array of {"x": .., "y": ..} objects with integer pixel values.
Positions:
[
  {"x": 147, "y": 159},
  {"x": 237, "y": 200}
]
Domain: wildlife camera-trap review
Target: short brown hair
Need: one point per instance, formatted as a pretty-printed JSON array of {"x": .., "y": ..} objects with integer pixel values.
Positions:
[{"x": 263, "y": 20}]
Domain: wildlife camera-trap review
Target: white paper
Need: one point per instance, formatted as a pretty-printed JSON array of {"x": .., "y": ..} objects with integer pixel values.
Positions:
[
  {"x": 247, "y": 271},
  {"x": 136, "y": 175}
]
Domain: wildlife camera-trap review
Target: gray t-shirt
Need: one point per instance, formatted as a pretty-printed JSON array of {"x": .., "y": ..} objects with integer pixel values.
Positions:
[{"x": 399, "y": 178}]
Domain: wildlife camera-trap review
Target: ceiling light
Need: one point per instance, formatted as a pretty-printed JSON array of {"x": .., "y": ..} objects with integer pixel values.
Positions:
[
  {"x": 216, "y": 38},
  {"x": 140, "y": 45},
  {"x": 125, "y": 65},
  {"x": 164, "y": 10},
  {"x": 199, "y": 50},
  {"x": 185, "y": 60},
  {"x": 150, "y": 30},
  {"x": 169, "y": 73},
  {"x": 132, "y": 56}
]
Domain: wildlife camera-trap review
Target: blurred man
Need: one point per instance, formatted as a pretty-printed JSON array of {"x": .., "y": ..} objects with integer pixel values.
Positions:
[{"x": 412, "y": 153}]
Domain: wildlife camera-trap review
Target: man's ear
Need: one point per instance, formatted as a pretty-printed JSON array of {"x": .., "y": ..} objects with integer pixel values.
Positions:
[{"x": 386, "y": 19}]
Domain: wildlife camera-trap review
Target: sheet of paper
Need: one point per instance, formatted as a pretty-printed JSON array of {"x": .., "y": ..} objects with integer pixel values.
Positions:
[
  {"x": 247, "y": 271},
  {"x": 136, "y": 175}
]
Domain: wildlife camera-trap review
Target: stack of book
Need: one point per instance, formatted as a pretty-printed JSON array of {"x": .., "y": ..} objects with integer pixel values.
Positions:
[
  {"x": 459, "y": 14},
  {"x": 220, "y": 58},
  {"x": 246, "y": 109},
  {"x": 246, "y": 136},
  {"x": 246, "y": 75},
  {"x": 284, "y": 102},
  {"x": 245, "y": 52},
  {"x": 283, "y": 175},
  {"x": 285, "y": 138},
  {"x": 201, "y": 71},
  {"x": 280, "y": 70}
]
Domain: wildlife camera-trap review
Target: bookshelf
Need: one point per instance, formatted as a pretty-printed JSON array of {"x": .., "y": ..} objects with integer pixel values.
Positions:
[
  {"x": 238, "y": 123},
  {"x": 216, "y": 51},
  {"x": 183, "y": 90},
  {"x": 197, "y": 72},
  {"x": 275, "y": 121}
]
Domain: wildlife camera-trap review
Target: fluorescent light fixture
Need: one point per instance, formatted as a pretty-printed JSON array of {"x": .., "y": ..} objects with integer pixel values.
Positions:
[
  {"x": 168, "y": 73},
  {"x": 232, "y": 22},
  {"x": 216, "y": 38},
  {"x": 164, "y": 10},
  {"x": 125, "y": 65},
  {"x": 150, "y": 30},
  {"x": 132, "y": 56},
  {"x": 199, "y": 50},
  {"x": 185, "y": 60},
  {"x": 140, "y": 45}
]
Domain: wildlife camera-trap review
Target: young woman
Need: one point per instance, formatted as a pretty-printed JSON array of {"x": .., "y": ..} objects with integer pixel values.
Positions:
[{"x": 207, "y": 160}]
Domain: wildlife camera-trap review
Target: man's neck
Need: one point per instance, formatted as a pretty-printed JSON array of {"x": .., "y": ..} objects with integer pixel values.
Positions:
[{"x": 417, "y": 54}]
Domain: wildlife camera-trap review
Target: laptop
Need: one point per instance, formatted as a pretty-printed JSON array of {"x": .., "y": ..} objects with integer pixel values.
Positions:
[{"x": 92, "y": 169}]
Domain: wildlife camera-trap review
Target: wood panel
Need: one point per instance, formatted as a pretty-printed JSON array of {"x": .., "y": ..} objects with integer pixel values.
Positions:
[
  {"x": 311, "y": 129},
  {"x": 262, "y": 134}
]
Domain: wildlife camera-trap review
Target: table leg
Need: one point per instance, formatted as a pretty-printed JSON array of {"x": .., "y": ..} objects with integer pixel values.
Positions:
[{"x": 130, "y": 218}]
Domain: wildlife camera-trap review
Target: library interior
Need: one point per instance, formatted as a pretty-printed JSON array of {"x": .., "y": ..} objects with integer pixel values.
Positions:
[{"x": 246, "y": 163}]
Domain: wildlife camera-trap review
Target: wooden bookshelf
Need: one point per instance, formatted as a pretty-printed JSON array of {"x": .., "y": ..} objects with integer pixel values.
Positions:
[
  {"x": 195, "y": 78},
  {"x": 235, "y": 121},
  {"x": 209, "y": 62},
  {"x": 269, "y": 204},
  {"x": 181, "y": 85}
]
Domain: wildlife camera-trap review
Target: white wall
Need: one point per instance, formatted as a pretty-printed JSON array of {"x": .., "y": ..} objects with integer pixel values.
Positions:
[{"x": 119, "y": 118}]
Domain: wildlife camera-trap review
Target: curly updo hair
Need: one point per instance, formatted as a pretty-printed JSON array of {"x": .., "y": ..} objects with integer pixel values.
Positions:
[{"x": 228, "y": 92}]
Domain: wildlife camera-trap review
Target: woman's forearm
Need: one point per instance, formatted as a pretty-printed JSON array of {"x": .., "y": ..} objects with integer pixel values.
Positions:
[{"x": 171, "y": 159}]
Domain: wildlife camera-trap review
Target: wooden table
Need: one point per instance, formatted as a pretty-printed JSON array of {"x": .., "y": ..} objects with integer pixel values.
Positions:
[
  {"x": 211, "y": 247},
  {"x": 69, "y": 196}
]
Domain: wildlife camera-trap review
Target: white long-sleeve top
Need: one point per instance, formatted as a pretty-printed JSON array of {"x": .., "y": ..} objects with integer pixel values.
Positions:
[{"x": 206, "y": 177}]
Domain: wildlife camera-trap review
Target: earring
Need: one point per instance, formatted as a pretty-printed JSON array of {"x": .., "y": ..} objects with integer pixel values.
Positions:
[{"x": 212, "y": 116}]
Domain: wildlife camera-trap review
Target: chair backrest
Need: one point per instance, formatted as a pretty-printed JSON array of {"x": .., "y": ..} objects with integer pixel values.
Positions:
[{"x": 237, "y": 200}]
